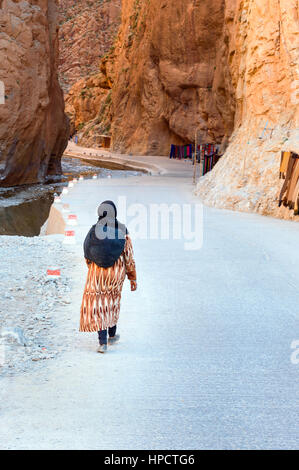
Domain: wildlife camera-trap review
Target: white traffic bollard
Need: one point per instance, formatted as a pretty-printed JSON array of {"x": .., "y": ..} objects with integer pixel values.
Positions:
[
  {"x": 72, "y": 219},
  {"x": 53, "y": 273},
  {"x": 69, "y": 237},
  {"x": 71, "y": 184}
]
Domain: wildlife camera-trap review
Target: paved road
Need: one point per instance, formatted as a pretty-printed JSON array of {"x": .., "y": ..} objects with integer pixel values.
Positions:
[{"x": 204, "y": 358}]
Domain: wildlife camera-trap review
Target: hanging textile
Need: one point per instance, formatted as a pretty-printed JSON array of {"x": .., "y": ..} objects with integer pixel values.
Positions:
[
  {"x": 290, "y": 197},
  {"x": 289, "y": 191},
  {"x": 296, "y": 199},
  {"x": 208, "y": 154},
  {"x": 181, "y": 151},
  {"x": 172, "y": 151},
  {"x": 210, "y": 157},
  {"x": 285, "y": 156}
]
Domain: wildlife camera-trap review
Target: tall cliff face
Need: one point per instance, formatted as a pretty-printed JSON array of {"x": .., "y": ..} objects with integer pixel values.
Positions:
[
  {"x": 88, "y": 104},
  {"x": 87, "y": 31},
  {"x": 260, "y": 48},
  {"x": 227, "y": 68},
  {"x": 162, "y": 72},
  {"x": 164, "y": 76},
  {"x": 33, "y": 126}
]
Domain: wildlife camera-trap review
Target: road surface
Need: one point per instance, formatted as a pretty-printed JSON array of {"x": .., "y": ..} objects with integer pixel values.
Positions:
[{"x": 204, "y": 360}]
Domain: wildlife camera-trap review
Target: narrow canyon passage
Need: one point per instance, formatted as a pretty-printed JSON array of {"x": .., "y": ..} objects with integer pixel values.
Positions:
[
  {"x": 189, "y": 107},
  {"x": 204, "y": 357}
]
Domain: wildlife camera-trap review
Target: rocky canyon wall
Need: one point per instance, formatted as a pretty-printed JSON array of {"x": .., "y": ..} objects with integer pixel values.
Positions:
[
  {"x": 166, "y": 65},
  {"x": 88, "y": 104},
  {"x": 225, "y": 68},
  {"x": 161, "y": 71},
  {"x": 260, "y": 45},
  {"x": 87, "y": 32},
  {"x": 33, "y": 126}
]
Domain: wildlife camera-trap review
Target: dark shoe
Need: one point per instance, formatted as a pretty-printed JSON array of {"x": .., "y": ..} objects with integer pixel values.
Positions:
[
  {"x": 102, "y": 348},
  {"x": 113, "y": 339}
]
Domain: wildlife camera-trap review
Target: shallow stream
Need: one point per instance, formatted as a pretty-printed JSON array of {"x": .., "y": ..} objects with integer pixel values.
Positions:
[{"x": 25, "y": 209}]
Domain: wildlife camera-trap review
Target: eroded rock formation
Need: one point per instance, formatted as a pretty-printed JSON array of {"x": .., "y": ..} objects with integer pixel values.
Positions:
[
  {"x": 166, "y": 79},
  {"x": 88, "y": 105},
  {"x": 260, "y": 47},
  {"x": 165, "y": 71},
  {"x": 33, "y": 126},
  {"x": 87, "y": 31},
  {"x": 228, "y": 68}
]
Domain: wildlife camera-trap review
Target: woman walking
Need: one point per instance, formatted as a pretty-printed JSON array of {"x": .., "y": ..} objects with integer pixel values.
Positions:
[{"x": 109, "y": 256}]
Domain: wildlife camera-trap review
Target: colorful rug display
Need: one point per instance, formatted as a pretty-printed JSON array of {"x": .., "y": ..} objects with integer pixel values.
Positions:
[
  {"x": 208, "y": 154},
  {"x": 181, "y": 151}
]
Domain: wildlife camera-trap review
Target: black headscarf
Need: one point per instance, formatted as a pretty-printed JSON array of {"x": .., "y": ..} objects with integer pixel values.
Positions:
[{"x": 105, "y": 240}]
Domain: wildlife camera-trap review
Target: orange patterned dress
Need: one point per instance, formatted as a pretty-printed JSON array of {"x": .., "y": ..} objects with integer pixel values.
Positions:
[{"x": 101, "y": 299}]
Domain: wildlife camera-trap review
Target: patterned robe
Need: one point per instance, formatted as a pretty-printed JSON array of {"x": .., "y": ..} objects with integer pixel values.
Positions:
[{"x": 101, "y": 299}]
